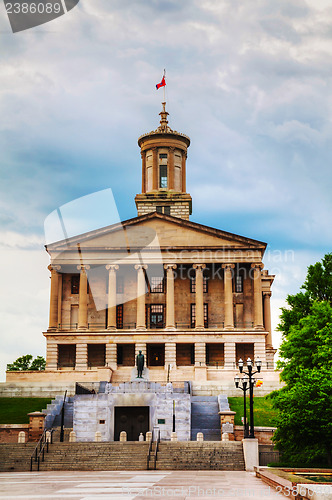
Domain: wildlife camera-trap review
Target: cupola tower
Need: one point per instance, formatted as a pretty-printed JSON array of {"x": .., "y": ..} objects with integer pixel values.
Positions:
[{"x": 164, "y": 155}]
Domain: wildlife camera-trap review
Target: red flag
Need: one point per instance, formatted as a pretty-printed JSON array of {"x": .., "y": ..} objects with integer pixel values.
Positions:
[{"x": 161, "y": 84}]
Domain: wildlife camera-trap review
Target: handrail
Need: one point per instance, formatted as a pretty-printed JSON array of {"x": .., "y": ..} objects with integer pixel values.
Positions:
[
  {"x": 42, "y": 443},
  {"x": 156, "y": 450},
  {"x": 148, "y": 456}
]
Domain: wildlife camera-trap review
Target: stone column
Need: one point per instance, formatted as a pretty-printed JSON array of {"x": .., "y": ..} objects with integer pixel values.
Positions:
[
  {"x": 81, "y": 357},
  {"x": 200, "y": 354},
  {"x": 140, "y": 300},
  {"x": 83, "y": 299},
  {"x": 258, "y": 299},
  {"x": 51, "y": 355},
  {"x": 170, "y": 354},
  {"x": 230, "y": 355},
  {"x": 199, "y": 296},
  {"x": 155, "y": 180},
  {"x": 228, "y": 293},
  {"x": 59, "y": 300},
  {"x": 53, "y": 324},
  {"x": 259, "y": 352},
  {"x": 170, "y": 167},
  {"x": 170, "y": 318},
  {"x": 111, "y": 355},
  {"x": 111, "y": 317},
  {"x": 267, "y": 318},
  {"x": 184, "y": 157},
  {"x": 143, "y": 156}
]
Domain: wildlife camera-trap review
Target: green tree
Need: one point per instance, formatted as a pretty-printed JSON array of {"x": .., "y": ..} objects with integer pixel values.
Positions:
[
  {"x": 304, "y": 421},
  {"x": 27, "y": 363}
]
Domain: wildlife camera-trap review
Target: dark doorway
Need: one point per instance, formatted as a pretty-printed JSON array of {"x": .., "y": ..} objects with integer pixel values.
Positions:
[
  {"x": 185, "y": 354},
  {"x": 66, "y": 355},
  {"x": 156, "y": 354},
  {"x": 132, "y": 419},
  {"x": 96, "y": 354}
]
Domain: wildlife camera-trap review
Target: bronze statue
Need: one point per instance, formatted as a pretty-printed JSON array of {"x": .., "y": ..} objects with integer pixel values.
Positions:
[{"x": 140, "y": 364}]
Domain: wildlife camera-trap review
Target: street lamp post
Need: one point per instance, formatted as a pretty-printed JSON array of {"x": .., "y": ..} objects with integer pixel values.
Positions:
[
  {"x": 250, "y": 373},
  {"x": 242, "y": 383}
]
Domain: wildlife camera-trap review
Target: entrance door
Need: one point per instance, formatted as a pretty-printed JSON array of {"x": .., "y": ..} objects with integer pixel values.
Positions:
[
  {"x": 156, "y": 354},
  {"x": 132, "y": 419}
]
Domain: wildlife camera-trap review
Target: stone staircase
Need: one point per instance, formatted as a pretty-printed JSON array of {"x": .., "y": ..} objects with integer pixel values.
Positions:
[
  {"x": 96, "y": 456},
  {"x": 199, "y": 456},
  {"x": 205, "y": 418},
  {"x": 15, "y": 457},
  {"x": 53, "y": 412}
]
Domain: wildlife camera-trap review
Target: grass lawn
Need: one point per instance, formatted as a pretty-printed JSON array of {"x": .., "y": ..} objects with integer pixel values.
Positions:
[
  {"x": 264, "y": 413},
  {"x": 14, "y": 410}
]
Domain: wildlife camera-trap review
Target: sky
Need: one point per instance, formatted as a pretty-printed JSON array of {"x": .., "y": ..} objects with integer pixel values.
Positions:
[{"x": 248, "y": 82}]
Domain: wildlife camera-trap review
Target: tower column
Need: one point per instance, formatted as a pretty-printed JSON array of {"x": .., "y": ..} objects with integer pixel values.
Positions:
[
  {"x": 111, "y": 317},
  {"x": 199, "y": 296},
  {"x": 183, "y": 169},
  {"x": 171, "y": 168},
  {"x": 170, "y": 318},
  {"x": 143, "y": 156},
  {"x": 83, "y": 298},
  {"x": 53, "y": 322},
  {"x": 140, "y": 300},
  {"x": 155, "y": 179},
  {"x": 258, "y": 300},
  {"x": 267, "y": 318},
  {"x": 228, "y": 293}
]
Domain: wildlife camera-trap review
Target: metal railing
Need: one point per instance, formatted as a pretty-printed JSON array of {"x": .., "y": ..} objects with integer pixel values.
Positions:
[
  {"x": 39, "y": 451},
  {"x": 156, "y": 449},
  {"x": 156, "y": 326}
]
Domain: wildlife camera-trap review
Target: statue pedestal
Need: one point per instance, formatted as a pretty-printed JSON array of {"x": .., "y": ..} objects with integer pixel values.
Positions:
[{"x": 145, "y": 375}]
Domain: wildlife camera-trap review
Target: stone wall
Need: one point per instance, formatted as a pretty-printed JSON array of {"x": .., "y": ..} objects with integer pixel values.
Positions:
[
  {"x": 90, "y": 410},
  {"x": 9, "y": 432}
]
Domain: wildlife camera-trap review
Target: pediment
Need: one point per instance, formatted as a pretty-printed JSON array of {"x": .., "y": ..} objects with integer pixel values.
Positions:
[{"x": 158, "y": 230}]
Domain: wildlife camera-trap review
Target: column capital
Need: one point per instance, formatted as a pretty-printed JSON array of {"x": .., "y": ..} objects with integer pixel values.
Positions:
[
  {"x": 199, "y": 266},
  {"x": 258, "y": 265},
  {"x": 140, "y": 266},
  {"x": 83, "y": 267},
  {"x": 170, "y": 266},
  {"x": 112, "y": 267},
  {"x": 228, "y": 266},
  {"x": 267, "y": 294},
  {"x": 53, "y": 267}
]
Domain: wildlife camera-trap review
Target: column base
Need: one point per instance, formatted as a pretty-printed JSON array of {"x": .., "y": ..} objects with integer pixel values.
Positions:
[
  {"x": 199, "y": 328},
  {"x": 259, "y": 327},
  {"x": 111, "y": 328},
  {"x": 170, "y": 328},
  {"x": 80, "y": 327},
  {"x": 141, "y": 328},
  {"x": 229, "y": 327}
]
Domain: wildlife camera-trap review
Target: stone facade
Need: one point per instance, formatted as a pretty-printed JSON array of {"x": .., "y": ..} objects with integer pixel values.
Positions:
[
  {"x": 192, "y": 298},
  {"x": 96, "y": 413}
]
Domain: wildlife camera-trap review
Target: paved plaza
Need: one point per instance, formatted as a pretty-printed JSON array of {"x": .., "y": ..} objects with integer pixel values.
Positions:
[{"x": 121, "y": 485}]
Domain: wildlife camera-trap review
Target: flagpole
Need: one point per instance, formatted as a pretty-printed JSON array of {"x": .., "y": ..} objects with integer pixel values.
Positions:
[{"x": 164, "y": 86}]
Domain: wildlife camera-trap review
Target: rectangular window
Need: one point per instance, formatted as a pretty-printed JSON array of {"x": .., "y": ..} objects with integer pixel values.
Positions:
[
  {"x": 193, "y": 284},
  {"x": 239, "y": 284},
  {"x": 193, "y": 315},
  {"x": 157, "y": 284},
  {"x": 156, "y": 316},
  {"x": 163, "y": 176},
  {"x": 163, "y": 156},
  {"x": 119, "y": 284},
  {"x": 119, "y": 316},
  {"x": 159, "y": 209},
  {"x": 167, "y": 210},
  {"x": 75, "y": 284}
]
